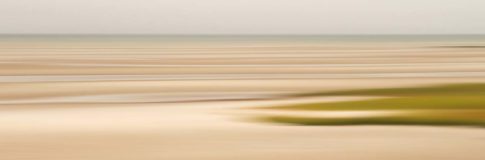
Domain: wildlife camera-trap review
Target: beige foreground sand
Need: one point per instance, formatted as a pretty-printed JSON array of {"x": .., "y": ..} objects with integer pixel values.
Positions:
[{"x": 214, "y": 130}]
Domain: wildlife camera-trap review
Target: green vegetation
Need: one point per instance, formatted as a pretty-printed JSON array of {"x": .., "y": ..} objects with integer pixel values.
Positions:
[
  {"x": 388, "y": 120},
  {"x": 405, "y": 103},
  {"x": 442, "y": 90},
  {"x": 459, "y": 104}
]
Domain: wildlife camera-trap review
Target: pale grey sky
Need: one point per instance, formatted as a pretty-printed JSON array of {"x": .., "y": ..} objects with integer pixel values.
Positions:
[{"x": 243, "y": 16}]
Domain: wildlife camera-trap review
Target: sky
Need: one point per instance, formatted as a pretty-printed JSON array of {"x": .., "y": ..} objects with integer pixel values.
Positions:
[{"x": 242, "y": 16}]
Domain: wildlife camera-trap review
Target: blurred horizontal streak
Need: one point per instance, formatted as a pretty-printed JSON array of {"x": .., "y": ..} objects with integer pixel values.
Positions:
[
  {"x": 131, "y": 98},
  {"x": 167, "y": 77},
  {"x": 127, "y": 67},
  {"x": 478, "y": 64}
]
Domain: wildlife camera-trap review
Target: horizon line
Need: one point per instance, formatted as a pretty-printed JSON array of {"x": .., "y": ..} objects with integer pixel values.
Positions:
[{"x": 161, "y": 34}]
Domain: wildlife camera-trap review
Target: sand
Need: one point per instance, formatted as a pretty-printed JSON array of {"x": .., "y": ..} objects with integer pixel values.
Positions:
[
  {"x": 215, "y": 130},
  {"x": 124, "y": 99}
]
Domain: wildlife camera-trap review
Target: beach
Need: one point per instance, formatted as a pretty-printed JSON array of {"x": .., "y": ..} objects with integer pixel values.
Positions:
[{"x": 196, "y": 97}]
